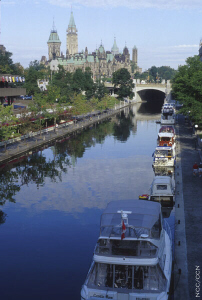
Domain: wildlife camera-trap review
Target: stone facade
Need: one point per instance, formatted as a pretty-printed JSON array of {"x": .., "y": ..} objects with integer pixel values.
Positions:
[
  {"x": 72, "y": 37},
  {"x": 134, "y": 55},
  {"x": 54, "y": 44}
]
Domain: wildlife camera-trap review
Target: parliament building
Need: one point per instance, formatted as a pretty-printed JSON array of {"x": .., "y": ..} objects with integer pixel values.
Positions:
[{"x": 101, "y": 62}]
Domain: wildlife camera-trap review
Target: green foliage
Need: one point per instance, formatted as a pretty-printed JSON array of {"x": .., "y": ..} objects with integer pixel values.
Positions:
[
  {"x": 187, "y": 88},
  {"x": 100, "y": 90},
  {"x": 122, "y": 79},
  {"x": 6, "y": 64},
  {"x": 7, "y": 120}
]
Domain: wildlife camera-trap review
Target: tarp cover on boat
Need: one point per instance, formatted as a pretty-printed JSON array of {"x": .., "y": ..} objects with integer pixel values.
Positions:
[{"x": 139, "y": 213}]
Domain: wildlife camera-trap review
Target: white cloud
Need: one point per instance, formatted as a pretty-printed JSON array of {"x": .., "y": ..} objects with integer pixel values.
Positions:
[{"x": 132, "y": 4}]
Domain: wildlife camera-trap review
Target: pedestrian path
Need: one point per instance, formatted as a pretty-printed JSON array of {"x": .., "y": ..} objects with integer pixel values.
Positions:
[{"x": 192, "y": 195}]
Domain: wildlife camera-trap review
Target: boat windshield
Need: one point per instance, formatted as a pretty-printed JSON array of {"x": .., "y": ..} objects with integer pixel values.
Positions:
[
  {"x": 139, "y": 217},
  {"x": 134, "y": 278},
  {"x": 129, "y": 248},
  {"x": 163, "y": 153}
]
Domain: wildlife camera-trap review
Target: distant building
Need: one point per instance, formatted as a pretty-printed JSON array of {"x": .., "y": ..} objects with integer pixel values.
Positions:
[
  {"x": 72, "y": 37},
  {"x": 134, "y": 55},
  {"x": 54, "y": 44},
  {"x": 101, "y": 62}
]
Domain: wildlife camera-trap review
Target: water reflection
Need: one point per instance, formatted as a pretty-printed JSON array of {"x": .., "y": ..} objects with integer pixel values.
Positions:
[{"x": 59, "y": 194}]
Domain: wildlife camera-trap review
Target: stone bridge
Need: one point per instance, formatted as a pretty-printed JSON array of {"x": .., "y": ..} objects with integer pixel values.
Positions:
[
  {"x": 152, "y": 91},
  {"x": 147, "y": 91}
]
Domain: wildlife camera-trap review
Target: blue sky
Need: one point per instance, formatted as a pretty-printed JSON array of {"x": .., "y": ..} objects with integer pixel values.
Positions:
[{"x": 165, "y": 32}]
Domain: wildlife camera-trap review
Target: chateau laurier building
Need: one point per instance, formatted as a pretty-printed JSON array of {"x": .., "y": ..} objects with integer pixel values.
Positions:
[{"x": 101, "y": 62}]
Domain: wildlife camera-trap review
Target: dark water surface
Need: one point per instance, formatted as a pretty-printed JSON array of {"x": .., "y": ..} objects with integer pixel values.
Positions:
[{"x": 52, "y": 202}]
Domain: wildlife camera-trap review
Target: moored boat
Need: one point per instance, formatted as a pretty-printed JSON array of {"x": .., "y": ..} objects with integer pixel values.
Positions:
[
  {"x": 163, "y": 190},
  {"x": 133, "y": 254},
  {"x": 168, "y": 116},
  {"x": 164, "y": 156}
]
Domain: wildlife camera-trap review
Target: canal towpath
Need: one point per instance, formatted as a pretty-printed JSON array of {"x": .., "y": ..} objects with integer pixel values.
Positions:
[
  {"x": 188, "y": 216},
  {"x": 31, "y": 143}
]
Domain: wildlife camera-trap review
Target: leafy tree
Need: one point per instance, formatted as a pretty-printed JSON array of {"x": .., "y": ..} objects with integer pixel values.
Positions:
[
  {"x": 63, "y": 80},
  {"x": 6, "y": 63},
  {"x": 187, "y": 88},
  {"x": 8, "y": 121},
  {"x": 122, "y": 79},
  {"x": 100, "y": 90}
]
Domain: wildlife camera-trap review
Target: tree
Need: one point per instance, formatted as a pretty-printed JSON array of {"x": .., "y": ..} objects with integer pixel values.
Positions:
[
  {"x": 6, "y": 63},
  {"x": 8, "y": 121},
  {"x": 122, "y": 79},
  {"x": 187, "y": 89},
  {"x": 100, "y": 90}
]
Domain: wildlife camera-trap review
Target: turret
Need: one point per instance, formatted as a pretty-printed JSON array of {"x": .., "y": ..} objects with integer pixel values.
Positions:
[{"x": 54, "y": 44}]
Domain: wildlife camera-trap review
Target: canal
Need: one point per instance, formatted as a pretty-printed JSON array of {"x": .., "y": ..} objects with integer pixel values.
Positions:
[{"x": 52, "y": 200}]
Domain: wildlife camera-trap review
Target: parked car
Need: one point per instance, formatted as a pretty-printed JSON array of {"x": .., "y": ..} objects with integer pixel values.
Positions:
[{"x": 25, "y": 97}]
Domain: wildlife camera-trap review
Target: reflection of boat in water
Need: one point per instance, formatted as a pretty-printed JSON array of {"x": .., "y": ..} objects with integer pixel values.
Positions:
[
  {"x": 164, "y": 156},
  {"x": 133, "y": 257},
  {"x": 163, "y": 190}
]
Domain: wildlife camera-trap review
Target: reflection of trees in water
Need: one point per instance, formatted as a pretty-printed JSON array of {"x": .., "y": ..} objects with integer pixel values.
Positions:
[
  {"x": 2, "y": 217},
  {"x": 36, "y": 168},
  {"x": 123, "y": 127},
  {"x": 77, "y": 145}
]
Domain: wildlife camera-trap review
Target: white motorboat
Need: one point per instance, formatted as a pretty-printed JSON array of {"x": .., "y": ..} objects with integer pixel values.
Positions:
[
  {"x": 133, "y": 255},
  {"x": 163, "y": 190},
  {"x": 168, "y": 116},
  {"x": 164, "y": 156}
]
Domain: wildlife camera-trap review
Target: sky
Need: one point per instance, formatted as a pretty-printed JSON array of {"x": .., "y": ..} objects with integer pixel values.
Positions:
[{"x": 165, "y": 32}]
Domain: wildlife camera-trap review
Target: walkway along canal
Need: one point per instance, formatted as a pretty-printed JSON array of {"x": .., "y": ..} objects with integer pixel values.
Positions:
[{"x": 29, "y": 142}]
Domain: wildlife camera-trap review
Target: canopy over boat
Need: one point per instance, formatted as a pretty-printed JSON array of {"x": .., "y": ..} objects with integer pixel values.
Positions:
[{"x": 140, "y": 217}]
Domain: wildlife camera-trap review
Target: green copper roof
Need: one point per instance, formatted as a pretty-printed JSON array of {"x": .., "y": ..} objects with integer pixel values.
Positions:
[
  {"x": 90, "y": 58},
  {"x": 115, "y": 48},
  {"x": 110, "y": 57},
  {"x": 53, "y": 38},
  {"x": 134, "y": 47},
  {"x": 101, "y": 49},
  {"x": 71, "y": 22}
]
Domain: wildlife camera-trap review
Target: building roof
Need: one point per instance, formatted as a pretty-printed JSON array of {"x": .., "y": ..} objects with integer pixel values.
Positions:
[
  {"x": 71, "y": 21},
  {"x": 54, "y": 38},
  {"x": 140, "y": 213},
  {"x": 115, "y": 49},
  {"x": 101, "y": 48}
]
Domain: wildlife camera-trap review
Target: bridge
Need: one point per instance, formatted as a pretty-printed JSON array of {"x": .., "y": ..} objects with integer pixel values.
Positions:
[
  {"x": 151, "y": 91},
  {"x": 147, "y": 91}
]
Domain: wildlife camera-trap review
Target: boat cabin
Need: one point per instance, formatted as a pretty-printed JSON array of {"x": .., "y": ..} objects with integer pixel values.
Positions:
[
  {"x": 142, "y": 220},
  {"x": 162, "y": 190},
  {"x": 168, "y": 128},
  {"x": 164, "y": 156},
  {"x": 165, "y": 139}
]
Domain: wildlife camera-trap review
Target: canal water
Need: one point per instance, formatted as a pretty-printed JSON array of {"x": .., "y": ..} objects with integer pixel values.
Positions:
[{"x": 52, "y": 200}]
